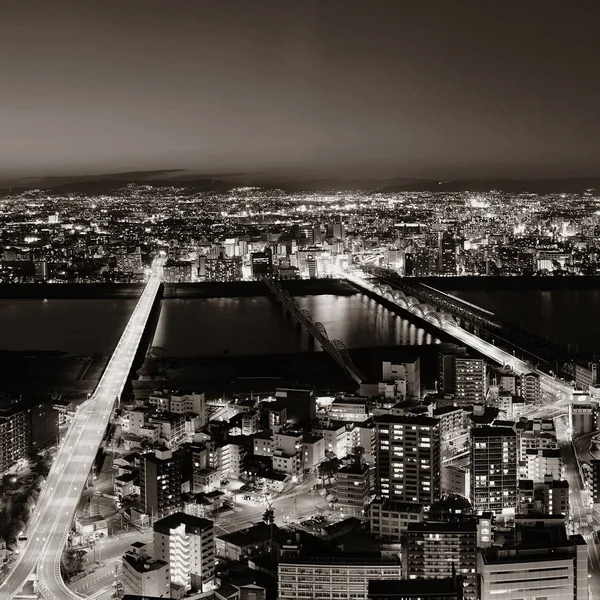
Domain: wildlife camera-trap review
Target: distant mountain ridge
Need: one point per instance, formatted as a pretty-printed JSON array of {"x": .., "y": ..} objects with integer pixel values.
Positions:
[{"x": 103, "y": 184}]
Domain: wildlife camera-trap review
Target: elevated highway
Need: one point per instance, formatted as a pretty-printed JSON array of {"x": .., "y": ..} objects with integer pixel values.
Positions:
[{"x": 50, "y": 524}]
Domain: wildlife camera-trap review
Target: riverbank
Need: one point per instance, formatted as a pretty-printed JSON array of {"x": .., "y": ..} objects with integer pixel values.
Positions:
[
  {"x": 228, "y": 376},
  {"x": 231, "y": 289},
  {"x": 51, "y": 373}
]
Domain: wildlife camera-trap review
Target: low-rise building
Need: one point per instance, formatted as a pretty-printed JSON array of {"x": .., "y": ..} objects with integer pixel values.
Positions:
[
  {"x": 544, "y": 560},
  {"x": 244, "y": 543},
  {"x": 540, "y": 463},
  {"x": 340, "y": 577},
  {"x": 142, "y": 575},
  {"x": 313, "y": 450},
  {"x": 388, "y": 520},
  {"x": 353, "y": 488},
  {"x": 550, "y": 496}
]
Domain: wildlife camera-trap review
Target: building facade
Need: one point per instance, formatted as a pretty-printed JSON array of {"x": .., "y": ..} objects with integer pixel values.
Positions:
[{"x": 408, "y": 458}]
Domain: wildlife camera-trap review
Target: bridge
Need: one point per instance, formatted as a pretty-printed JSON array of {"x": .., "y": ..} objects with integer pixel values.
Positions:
[
  {"x": 335, "y": 348},
  {"x": 482, "y": 323},
  {"x": 50, "y": 522}
]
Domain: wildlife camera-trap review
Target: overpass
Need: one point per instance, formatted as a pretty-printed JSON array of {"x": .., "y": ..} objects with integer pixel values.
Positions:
[
  {"x": 50, "y": 522},
  {"x": 336, "y": 348},
  {"x": 484, "y": 324}
]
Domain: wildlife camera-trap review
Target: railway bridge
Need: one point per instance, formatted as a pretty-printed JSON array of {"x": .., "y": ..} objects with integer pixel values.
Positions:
[{"x": 336, "y": 348}]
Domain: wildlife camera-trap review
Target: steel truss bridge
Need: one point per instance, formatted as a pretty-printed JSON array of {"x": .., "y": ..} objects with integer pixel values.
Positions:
[{"x": 336, "y": 348}]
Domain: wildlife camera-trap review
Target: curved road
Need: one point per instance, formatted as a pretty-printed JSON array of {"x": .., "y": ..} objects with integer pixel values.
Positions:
[{"x": 51, "y": 522}]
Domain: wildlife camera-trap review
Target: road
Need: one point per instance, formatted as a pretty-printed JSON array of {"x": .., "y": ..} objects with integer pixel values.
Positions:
[
  {"x": 50, "y": 524},
  {"x": 561, "y": 395}
]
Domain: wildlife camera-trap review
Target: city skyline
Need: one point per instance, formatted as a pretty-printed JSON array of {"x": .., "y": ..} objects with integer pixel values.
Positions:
[{"x": 352, "y": 89}]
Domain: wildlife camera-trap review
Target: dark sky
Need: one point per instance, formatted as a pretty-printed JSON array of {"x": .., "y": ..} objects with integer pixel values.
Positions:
[{"x": 454, "y": 88}]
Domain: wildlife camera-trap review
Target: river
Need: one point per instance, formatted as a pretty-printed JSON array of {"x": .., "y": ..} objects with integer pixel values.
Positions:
[
  {"x": 256, "y": 325},
  {"x": 569, "y": 317}
]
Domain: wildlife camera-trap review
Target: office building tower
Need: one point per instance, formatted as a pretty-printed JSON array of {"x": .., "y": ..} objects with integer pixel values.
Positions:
[
  {"x": 542, "y": 563},
  {"x": 408, "y": 458},
  {"x": 494, "y": 469},
  {"x": 433, "y": 550},
  {"x": 161, "y": 475},
  {"x": 447, "y": 254},
  {"x": 187, "y": 544},
  {"x": 143, "y": 575}
]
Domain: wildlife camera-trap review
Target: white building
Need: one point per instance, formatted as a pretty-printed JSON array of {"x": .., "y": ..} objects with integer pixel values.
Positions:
[
  {"x": 145, "y": 576},
  {"x": 187, "y": 544}
]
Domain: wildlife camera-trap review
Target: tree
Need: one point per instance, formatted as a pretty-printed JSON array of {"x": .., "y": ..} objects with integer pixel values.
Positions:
[
  {"x": 72, "y": 563},
  {"x": 269, "y": 519},
  {"x": 328, "y": 468},
  {"x": 155, "y": 364}
]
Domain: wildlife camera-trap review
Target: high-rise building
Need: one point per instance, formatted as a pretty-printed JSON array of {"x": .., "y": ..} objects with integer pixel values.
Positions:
[
  {"x": 469, "y": 380},
  {"x": 408, "y": 458},
  {"x": 494, "y": 469},
  {"x": 447, "y": 254},
  {"x": 433, "y": 550},
  {"x": 223, "y": 268},
  {"x": 187, "y": 544},
  {"x": 339, "y": 231},
  {"x": 161, "y": 474}
]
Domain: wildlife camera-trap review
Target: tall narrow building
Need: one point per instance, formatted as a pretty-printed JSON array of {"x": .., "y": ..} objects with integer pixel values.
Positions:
[
  {"x": 408, "y": 458},
  {"x": 187, "y": 544},
  {"x": 494, "y": 469},
  {"x": 469, "y": 380},
  {"x": 160, "y": 483}
]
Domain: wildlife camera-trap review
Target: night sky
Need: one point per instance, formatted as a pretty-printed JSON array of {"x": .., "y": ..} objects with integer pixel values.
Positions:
[{"x": 407, "y": 88}]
